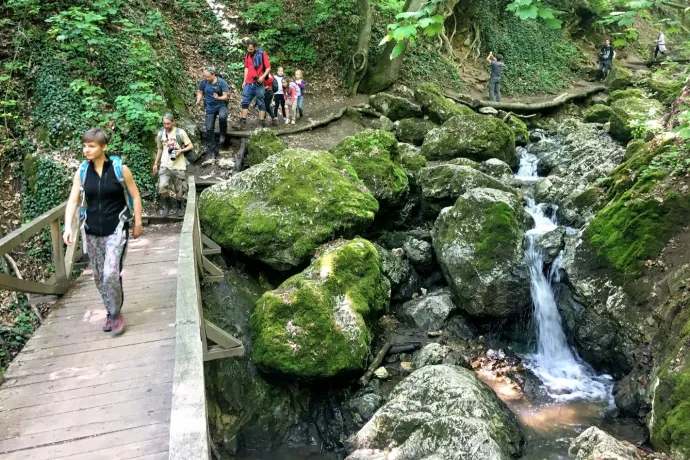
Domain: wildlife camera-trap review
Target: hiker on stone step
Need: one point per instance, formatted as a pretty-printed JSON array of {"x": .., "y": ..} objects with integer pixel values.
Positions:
[
  {"x": 606, "y": 56},
  {"x": 171, "y": 165},
  {"x": 257, "y": 66},
  {"x": 278, "y": 96},
  {"x": 268, "y": 97},
  {"x": 497, "y": 66},
  {"x": 660, "y": 45},
  {"x": 299, "y": 80},
  {"x": 110, "y": 206},
  {"x": 213, "y": 90}
]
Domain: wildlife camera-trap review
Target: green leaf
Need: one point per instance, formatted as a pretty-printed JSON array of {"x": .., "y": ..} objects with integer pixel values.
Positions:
[
  {"x": 626, "y": 22},
  {"x": 438, "y": 18},
  {"x": 4, "y": 77},
  {"x": 405, "y": 15},
  {"x": 530, "y": 12},
  {"x": 398, "y": 50},
  {"x": 401, "y": 33},
  {"x": 433, "y": 29},
  {"x": 385, "y": 39},
  {"x": 553, "y": 23},
  {"x": 425, "y": 22},
  {"x": 546, "y": 13},
  {"x": 620, "y": 42}
]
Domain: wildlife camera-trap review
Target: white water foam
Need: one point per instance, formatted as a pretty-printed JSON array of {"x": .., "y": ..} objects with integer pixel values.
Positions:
[{"x": 565, "y": 375}]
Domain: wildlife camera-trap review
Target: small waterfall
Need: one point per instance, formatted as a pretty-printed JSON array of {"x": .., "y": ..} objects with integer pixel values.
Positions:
[{"x": 565, "y": 375}]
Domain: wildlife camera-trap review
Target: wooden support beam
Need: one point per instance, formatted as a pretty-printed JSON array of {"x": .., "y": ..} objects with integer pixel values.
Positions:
[
  {"x": 220, "y": 353},
  {"x": 220, "y": 337},
  {"x": 61, "y": 278},
  {"x": 211, "y": 252},
  {"x": 10, "y": 283},
  {"x": 208, "y": 242},
  {"x": 73, "y": 252},
  {"x": 211, "y": 268},
  {"x": 28, "y": 230},
  {"x": 212, "y": 279}
]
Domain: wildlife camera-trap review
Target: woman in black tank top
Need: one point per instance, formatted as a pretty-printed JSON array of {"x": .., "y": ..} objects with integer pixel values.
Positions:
[{"x": 105, "y": 230}]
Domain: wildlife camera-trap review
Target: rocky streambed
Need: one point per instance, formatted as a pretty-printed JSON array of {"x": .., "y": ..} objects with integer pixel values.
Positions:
[{"x": 461, "y": 256}]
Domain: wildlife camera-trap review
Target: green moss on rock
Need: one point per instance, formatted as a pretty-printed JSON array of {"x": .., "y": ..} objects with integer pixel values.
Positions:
[
  {"x": 476, "y": 137},
  {"x": 598, "y": 113},
  {"x": 438, "y": 107},
  {"x": 519, "y": 128},
  {"x": 281, "y": 210},
  {"x": 618, "y": 78},
  {"x": 395, "y": 107},
  {"x": 442, "y": 185},
  {"x": 625, "y": 112},
  {"x": 374, "y": 156},
  {"x": 666, "y": 87},
  {"x": 413, "y": 130},
  {"x": 624, "y": 94},
  {"x": 262, "y": 144},
  {"x": 315, "y": 323}
]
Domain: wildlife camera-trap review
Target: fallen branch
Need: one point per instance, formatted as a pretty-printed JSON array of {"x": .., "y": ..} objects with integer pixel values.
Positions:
[
  {"x": 18, "y": 274},
  {"x": 368, "y": 111},
  {"x": 298, "y": 129},
  {"x": 517, "y": 115},
  {"x": 364, "y": 381},
  {"x": 404, "y": 348},
  {"x": 460, "y": 101},
  {"x": 538, "y": 106}
]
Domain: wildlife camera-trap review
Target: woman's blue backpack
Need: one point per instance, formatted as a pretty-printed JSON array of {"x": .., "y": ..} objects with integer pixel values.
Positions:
[{"x": 117, "y": 166}]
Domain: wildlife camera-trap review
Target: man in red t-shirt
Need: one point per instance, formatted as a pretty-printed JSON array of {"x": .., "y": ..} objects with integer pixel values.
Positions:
[{"x": 256, "y": 67}]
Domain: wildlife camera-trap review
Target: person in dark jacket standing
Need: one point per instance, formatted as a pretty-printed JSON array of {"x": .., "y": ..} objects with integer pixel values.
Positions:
[
  {"x": 497, "y": 66},
  {"x": 213, "y": 90},
  {"x": 105, "y": 190},
  {"x": 606, "y": 56}
]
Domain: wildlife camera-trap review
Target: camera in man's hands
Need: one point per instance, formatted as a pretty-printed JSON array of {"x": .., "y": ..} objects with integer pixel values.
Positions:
[
  {"x": 255, "y": 80},
  {"x": 172, "y": 153}
]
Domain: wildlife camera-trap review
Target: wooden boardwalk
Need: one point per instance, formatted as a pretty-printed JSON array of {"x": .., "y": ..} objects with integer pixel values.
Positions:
[{"x": 76, "y": 392}]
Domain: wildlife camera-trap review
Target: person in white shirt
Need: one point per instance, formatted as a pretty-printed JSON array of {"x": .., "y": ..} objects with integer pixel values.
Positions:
[{"x": 660, "y": 45}]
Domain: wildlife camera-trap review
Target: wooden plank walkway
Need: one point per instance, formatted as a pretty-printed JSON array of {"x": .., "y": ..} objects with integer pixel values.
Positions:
[{"x": 75, "y": 392}]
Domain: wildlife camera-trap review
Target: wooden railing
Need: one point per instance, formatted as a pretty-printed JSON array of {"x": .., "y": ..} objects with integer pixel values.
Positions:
[
  {"x": 62, "y": 260},
  {"x": 189, "y": 435}
]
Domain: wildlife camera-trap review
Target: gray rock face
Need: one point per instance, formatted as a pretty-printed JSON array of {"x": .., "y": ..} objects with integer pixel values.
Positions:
[
  {"x": 441, "y": 413},
  {"x": 428, "y": 312},
  {"x": 594, "y": 444},
  {"x": 384, "y": 124},
  {"x": 552, "y": 243},
  {"x": 496, "y": 168},
  {"x": 430, "y": 355},
  {"x": 442, "y": 184},
  {"x": 413, "y": 130},
  {"x": 480, "y": 246},
  {"x": 421, "y": 254},
  {"x": 395, "y": 107},
  {"x": 404, "y": 279}
]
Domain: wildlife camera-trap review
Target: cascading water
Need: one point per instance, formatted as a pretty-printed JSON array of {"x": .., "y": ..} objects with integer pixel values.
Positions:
[{"x": 565, "y": 375}]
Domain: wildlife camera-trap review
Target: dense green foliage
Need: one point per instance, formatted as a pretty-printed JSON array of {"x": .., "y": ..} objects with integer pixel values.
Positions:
[{"x": 537, "y": 58}]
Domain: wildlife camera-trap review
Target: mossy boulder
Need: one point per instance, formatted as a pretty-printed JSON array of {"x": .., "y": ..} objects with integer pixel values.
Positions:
[
  {"x": 240, "y": 401},
  {"x": 281, "y": 210},
  {"x": 496, "y": 168},
  {"x": 316, "y": 323},
  {"x": 624, "y": 94},
  {"x": 479, "y": 245},
  {"x": 626, "y": 113},
  {"x": 374, "y": 156},
  {"x": 442, "y": 185},
  {"x": 384, "y": 124},
  {"x": 476, "y": 137},
  {"x": 519, "y": 128},
  {"x": 438, "y": 107},
  {"x": 395, "y": 107},
  {"x": 598, "y": 113},
  {"x": 440, "y": 412},
  {"x": 262, "y": 144},
  {"x": 595, "y": 444},
  {"x": 412, "y": 162},
  {"x": 618, "y": 78},
  {"x": 413, "y": 130},
  {"x": 667, "y": 88}
]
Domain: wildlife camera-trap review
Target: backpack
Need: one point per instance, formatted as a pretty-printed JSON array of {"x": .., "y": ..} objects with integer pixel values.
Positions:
[
  {"x": 190, "y": 155},
  {"x": 274, "y": 86},
  {"x": 117, "y": 166}
]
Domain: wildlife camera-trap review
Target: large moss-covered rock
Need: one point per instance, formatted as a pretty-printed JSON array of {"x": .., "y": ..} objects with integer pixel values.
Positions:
[
  {"x": 624, "y": 94},
  {"x": 315, "y": 323},
  {"x": 413, "y": 130},
  {"x": 442, "y": 413},
  {"x": 618, "y": 78},
  {"x": 262, "y": 144},
  {"x": 241, "y": 403},
  {"x": 519, "y": 128},
  {"x": 442, "y": 184},
  {"x": 476, "y": 137},
  {"x": 395, "y": 107},
  {"x": 479, "y": 245},
  {"x": 438, "y": 107},
  {"x": 666, "y": 87},
  {"x": 374, "y": 156},
  {"x": 594, "y": 444},
  {"x": 598, "y": 113},
  {"x": 631, "y": 111},
  {"x": 281, "y": 210}
]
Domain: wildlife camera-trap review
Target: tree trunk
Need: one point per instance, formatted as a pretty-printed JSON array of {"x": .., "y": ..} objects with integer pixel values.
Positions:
[
  {"x": 360, "y": 59},
  {"x": 385, "y": 74}
]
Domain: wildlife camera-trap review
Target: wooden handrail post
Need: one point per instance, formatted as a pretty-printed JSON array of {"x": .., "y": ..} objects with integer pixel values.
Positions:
[{"x": 58, "y": 256}]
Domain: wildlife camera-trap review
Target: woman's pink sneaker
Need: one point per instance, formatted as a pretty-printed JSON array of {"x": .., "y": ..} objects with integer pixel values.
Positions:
[{"x": 118, "y": 325}]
